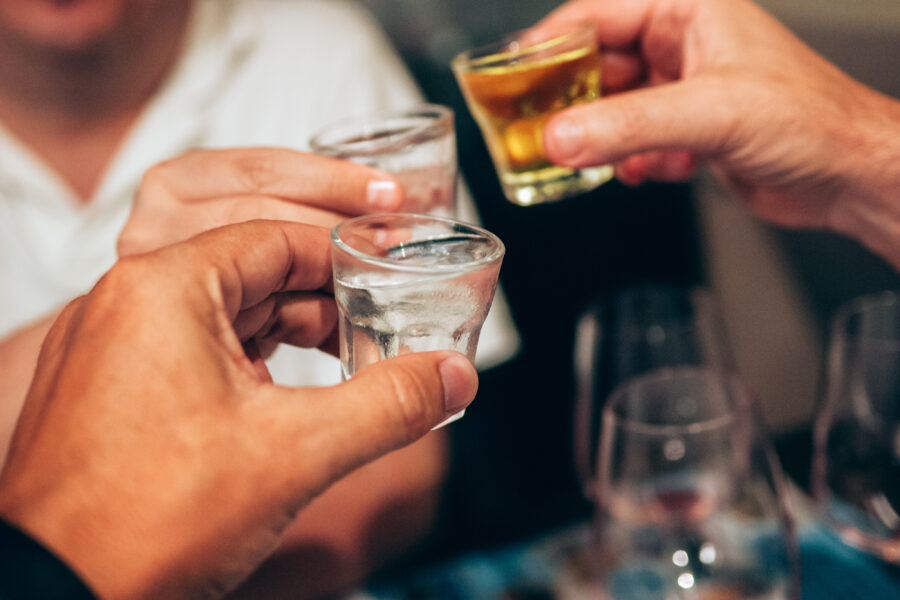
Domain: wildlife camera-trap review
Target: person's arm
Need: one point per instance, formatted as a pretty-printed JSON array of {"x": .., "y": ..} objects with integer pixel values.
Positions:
[
  {"x": 802, "y": 143},
  {"x": 154, "y": 455}
]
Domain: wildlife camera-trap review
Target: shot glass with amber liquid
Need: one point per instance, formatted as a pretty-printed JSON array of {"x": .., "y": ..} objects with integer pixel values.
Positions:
[{"x": 512, "y": 87}]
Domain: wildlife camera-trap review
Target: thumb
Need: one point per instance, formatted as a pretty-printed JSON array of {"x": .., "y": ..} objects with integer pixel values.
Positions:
[
  {"x": 384, "y": 406},
  {"x": 695, "y": 115}
]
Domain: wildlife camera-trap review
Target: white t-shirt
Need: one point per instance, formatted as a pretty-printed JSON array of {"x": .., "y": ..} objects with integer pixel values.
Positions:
[{"x": 253, "y": 72}]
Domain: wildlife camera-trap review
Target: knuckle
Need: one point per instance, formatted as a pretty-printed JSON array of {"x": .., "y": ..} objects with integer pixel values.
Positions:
[
  {"x": 628, "y": 123},
  {"x": 154, "y": 179},
  {"x": 255, "y": 170},
  {"x": 411, "y": 394}
]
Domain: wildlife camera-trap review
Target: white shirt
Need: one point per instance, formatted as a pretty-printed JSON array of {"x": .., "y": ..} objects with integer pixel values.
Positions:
[{"x": 253, "y": 72}]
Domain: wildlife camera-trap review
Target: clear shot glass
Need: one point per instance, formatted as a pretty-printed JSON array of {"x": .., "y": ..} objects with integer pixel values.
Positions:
[
  {"x": 418, "y": 146},
  {"x": 411, "y": 283}
]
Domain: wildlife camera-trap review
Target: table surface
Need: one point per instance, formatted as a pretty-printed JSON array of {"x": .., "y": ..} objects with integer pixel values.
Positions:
[{"x": 546, "y": 568}]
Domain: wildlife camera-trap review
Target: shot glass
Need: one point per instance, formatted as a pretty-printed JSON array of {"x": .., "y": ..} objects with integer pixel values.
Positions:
[
  {"x": 418, "y": 146},
  {"x": 512, "y": 87},
  {"x": 411, "y": 283}
]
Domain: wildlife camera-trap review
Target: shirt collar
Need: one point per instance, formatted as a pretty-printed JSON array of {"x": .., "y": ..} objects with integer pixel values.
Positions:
[{"x": 175, "y": 119}]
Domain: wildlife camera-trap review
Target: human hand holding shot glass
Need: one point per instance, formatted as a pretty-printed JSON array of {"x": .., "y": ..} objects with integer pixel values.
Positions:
[
  {"x": 417, "y": 146},
  {"x": 411, "y": 283},
  {"x": 513, "y": 86}
]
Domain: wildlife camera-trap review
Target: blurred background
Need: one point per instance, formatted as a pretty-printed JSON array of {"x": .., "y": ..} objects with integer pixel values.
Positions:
[{"x": 777, "y": 289}]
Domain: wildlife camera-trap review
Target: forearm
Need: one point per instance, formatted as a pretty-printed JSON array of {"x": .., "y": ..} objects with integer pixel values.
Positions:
[
  {"x": 869, "y": 208},
  {"x": 18, "y": 357}
]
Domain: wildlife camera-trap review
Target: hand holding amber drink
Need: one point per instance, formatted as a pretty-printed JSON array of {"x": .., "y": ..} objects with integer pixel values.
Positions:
[{"x": 512, "y": 87}]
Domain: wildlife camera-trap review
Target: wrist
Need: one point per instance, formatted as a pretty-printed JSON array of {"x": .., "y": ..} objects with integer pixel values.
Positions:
[
  {"x": 30, "y": 570},
  {"x": 868, "y": 209},
  {"x": 79, "y": 541}
]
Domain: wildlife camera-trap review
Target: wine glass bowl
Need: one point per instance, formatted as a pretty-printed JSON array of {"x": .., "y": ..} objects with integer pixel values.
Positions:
[
  {"x": 856, "y": 462},
  {"x": 634, "y": 331},
  {"x": 690, "y": 497}
]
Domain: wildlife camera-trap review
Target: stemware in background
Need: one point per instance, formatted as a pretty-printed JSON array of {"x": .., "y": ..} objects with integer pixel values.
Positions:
[
  {"x": 856, "y": 464},
  {"x": 691, "y": 498},
  {"x": 418, "y": 146},
  {"x": 411, "y": 283},
  {"x": 513, "y": 86},
  {"x": 633, "y": 331}
]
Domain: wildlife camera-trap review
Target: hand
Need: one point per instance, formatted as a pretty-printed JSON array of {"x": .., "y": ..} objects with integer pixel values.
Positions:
[
  {"x": 803, "y": 144},
  {"x": 153, "y": 453},
  {"x": 205, "y": 189}
]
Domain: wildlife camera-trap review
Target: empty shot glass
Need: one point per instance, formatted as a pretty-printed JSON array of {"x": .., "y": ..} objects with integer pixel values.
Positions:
[
  {"x": 512, "y": 87},
  {"x": 411, "y": 283},
  {"x": 417, "y": 146}
]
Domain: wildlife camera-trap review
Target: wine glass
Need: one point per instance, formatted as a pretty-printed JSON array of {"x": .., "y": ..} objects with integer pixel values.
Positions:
[
  {"x": 856, "y": 461},
  {"x": 691, "y": 500},
  {"x": 634, "y": 331}
]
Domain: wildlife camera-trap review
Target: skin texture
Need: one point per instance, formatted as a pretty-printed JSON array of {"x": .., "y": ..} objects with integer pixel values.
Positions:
[
  {"x": 155, "y": 456},
  {"x": 204, "y": 189},
  {"x": 721, "y": 81}
]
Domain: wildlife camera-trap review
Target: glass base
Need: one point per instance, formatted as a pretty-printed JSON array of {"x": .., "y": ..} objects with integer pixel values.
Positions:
[{"x": 552, "y": 183}]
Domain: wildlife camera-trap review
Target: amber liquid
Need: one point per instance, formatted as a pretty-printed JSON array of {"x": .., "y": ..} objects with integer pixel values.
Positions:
[{"x": 512, "y": 103}]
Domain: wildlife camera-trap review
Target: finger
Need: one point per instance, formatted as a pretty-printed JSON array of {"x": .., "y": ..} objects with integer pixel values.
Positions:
[
  {"x": 668, "y": 166},
  {"x": 305, "y": 320},
  {"x": 690, "y": 115},
  {"x": 619, "y": 22},
  {"x": 326, "y": 182},
  {"x": 243, "y": 264},
  {"x": 172, "y": 224},
  {"x": 384, "y": 406},
  {"x": 621, "y": 71},
  {"x": 257, "y": 361}
]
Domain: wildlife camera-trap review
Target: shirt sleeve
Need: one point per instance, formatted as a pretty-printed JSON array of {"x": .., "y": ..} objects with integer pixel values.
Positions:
[{"x": 28, "y": 571}]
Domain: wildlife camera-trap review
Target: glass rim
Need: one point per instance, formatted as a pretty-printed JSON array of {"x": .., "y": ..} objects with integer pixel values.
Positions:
[
  {"x": 705, "y": 297},
  {"x": 385, "y": 263},
  {"x": 440, "y": 122},
  {"x": 863, "y": 304},
  {"x": 729, "y": 382},
  {"x": 494, "y": 54}
]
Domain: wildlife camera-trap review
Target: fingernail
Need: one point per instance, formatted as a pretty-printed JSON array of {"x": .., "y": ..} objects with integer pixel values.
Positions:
[
  {"x": 382, "y": 194},
  {"x": 460, "y": 383},
  {"x": 568, "y": 137}
]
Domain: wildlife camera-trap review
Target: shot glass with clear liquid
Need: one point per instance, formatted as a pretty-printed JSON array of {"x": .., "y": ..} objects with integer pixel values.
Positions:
[
  {"x": 512, "y": 87},
  {"x": 417, "y": 146},
  {"x": 411, "y": 283}
]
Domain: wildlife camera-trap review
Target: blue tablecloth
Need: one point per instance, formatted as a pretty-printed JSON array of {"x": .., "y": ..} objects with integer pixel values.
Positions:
[{"x": 534, "y": 569}]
